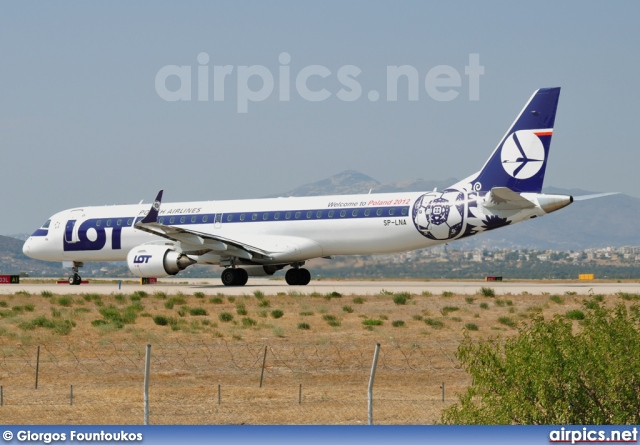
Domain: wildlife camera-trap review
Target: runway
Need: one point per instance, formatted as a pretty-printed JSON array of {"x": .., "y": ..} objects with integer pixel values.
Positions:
[{"x": 213, "y": 286}]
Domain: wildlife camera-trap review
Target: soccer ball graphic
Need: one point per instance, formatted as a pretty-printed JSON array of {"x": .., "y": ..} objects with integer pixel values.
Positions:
[{"x": 439, "y": 216}]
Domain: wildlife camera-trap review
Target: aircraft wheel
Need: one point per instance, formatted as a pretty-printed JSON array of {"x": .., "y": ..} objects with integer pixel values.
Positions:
[
  {"x": 304, "y": 276},
  {"x": 72, "y": 280},
  {"x": 228, "y": 277},
  {"x": 78, "y": 279},
  {"x": 297, "y": 277},
  {"x": 241, "y": 276}
]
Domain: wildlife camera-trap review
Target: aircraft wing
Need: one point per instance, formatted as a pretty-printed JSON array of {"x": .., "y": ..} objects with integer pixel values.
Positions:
[
  {"x": 503, "y": 198},
  {"x": 258, "y": 248}
]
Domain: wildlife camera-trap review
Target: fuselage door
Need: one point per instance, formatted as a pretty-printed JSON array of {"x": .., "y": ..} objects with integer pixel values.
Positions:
[
  {"x": 71, "y": 228},
  {"x": 217, "y": 222}
]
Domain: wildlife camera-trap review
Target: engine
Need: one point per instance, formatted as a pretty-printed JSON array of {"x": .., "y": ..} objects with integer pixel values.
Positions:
[{"x": 156, "y": 261}]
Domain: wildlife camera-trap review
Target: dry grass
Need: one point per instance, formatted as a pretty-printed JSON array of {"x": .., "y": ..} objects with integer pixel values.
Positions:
[{"x": 108, "y": 384}]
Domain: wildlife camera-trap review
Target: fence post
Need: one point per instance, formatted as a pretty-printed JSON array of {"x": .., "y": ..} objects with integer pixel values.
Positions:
[
  {"x": 264, "y": 359},
  {"x": 373, "y": 375},
  {"x": 146, "y": 384},
  {"x": 37, "y": 365}
]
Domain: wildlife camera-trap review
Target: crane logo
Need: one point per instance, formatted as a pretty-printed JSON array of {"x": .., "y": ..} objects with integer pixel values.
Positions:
[{"x": 522, "y": 154}]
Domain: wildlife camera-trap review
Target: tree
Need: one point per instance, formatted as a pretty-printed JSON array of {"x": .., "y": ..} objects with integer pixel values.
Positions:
[{"x": 556, "y": 372}]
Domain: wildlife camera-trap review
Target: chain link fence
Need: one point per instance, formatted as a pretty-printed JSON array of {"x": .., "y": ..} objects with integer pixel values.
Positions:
[{"x": 227, "y": 383}]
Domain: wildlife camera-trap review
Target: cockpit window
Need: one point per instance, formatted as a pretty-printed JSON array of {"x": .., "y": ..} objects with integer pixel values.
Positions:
[{"x": 46, "y": 225}]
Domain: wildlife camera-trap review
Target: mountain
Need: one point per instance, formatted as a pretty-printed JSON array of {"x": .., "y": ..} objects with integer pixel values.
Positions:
[{"x": 353, "y": 182}]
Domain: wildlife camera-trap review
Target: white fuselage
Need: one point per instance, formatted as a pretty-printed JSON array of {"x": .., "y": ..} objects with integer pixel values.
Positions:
[{"x": 292, "y": 229}]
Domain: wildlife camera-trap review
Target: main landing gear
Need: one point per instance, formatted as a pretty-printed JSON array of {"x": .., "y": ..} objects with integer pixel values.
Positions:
[
  {"x": 297, "y": 277},
  {"x": 234, "y": 277},
  {"x": 75, "y": 279}
]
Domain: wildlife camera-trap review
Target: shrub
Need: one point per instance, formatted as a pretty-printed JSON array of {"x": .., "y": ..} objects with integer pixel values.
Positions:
[
  {"x": 4, "y": 304},
  {"x": 248, "y": 322},
  {"x": 487, "y": 292},
  {"x": 347, "y": 309},
  {"x": 328, "y": 317},
  {"x": 258, "y": 294},
  {"x": 426, "y": 293},
  {"x": 240, "y": 309},
  {"x": 277, "y": 313},
  {"x": 471, "y": 327},
  {"x": 334, "y": 323},
  {"x": 539, "y": 376},
  {"x": 469, "y": 300},
  {"x": 401, "y": 298},
  {"x": 160, "y": 295},
  {"x": 119, "y": 298},
  {"x": 484, "y": 306},
  {"x": 434, "y": 323},
  {"x": 447, "y": 294},
  {"x": 225, "y": 316},
  {"x": 333, "y": 294},
  {"x": 372, "y": 322},
  {"x": 264, "y": 303},
  {"x": 306, "y": 313},
  {"x": 447, "y": 309},
  {"x": 397, "y": 323},
  {"x": 628, "y": 296},
  {"x": 65, "y": 300},
  {"x": 358, "y": 300},
  {"x": 161, "y": 320},
  {"x": 556, "y": 299},
  {"x": 198, "y": 294},
  {"x": 508, "y": 321},
  {"x": 575, "y": 314},
  {"x": 140, "y": 294},
  {"x": 304, "y": 326},
  {"x": 197, "y": 311},
  {"x": 46, "y": 293},
  {"x": 215, "y": 300}
]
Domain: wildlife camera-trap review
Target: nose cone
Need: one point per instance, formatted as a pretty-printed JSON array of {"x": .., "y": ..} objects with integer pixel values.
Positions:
[{"x": 26, "y": 247}]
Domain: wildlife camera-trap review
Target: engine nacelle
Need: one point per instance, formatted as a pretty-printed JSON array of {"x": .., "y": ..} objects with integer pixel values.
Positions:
[{"x": 156, "y": 261}]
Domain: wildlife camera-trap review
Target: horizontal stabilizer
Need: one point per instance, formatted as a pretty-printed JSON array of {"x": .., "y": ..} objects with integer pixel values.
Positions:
[{"x": 503, "y": 198}]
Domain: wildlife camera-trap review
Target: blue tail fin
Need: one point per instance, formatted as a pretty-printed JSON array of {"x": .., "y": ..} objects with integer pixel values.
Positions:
[{"x": 520, "y": 159}]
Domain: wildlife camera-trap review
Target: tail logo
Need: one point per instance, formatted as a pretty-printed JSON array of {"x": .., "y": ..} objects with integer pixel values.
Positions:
[{"x": 522, "y": 154}]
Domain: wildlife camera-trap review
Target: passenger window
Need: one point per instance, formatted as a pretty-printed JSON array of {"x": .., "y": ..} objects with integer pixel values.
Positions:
[
  {"x": 205, "y": 218},
  {"x": 343, "y": 213},
  {"x": 287, "y": 215},
  {"x": 229, "y": 218},
  {"x": 242, "y": 217},
  {"x": 171, "y": 220},
  {"x": 379, "y": 212},
  {"x": 330, "y": 214},
  {"x": 319, "y": 215},
  {"x": 254, "y": 216},
  {"x": 182, "y": 220},
  {"x": 309, "y": 215},
  {"x": 98, "y": 223},
  {"x": 193, "y": 219},
  {"x": 367, "y": 212},
  {"x": 404, "y": 211},
  {"x": 161, "y": 220},
  {"x": 298, "y": 215},
  {"x": 265, "y": 216},
  {"x": 108, "y": 223},
  {"x": 354, "y": 213},
  {"x": 277, "y": 215},
  {"x": 129, "y": 221},
  {"x": 392, "y": 212},
  {"x": 119, "y": 223}
]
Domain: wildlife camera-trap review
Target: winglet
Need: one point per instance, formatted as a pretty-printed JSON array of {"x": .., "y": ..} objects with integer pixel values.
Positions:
[{"x": 152, "y": 216}]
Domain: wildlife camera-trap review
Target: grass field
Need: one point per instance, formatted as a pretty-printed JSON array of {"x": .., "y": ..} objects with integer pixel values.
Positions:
[{"x": 324, "y": 342}]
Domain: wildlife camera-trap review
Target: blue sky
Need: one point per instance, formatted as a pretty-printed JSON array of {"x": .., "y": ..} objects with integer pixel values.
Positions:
[{"x": 82, "y": 122}]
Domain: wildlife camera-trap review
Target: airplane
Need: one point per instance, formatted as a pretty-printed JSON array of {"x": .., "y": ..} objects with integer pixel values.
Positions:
[{"x": 258, "y": 237}]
